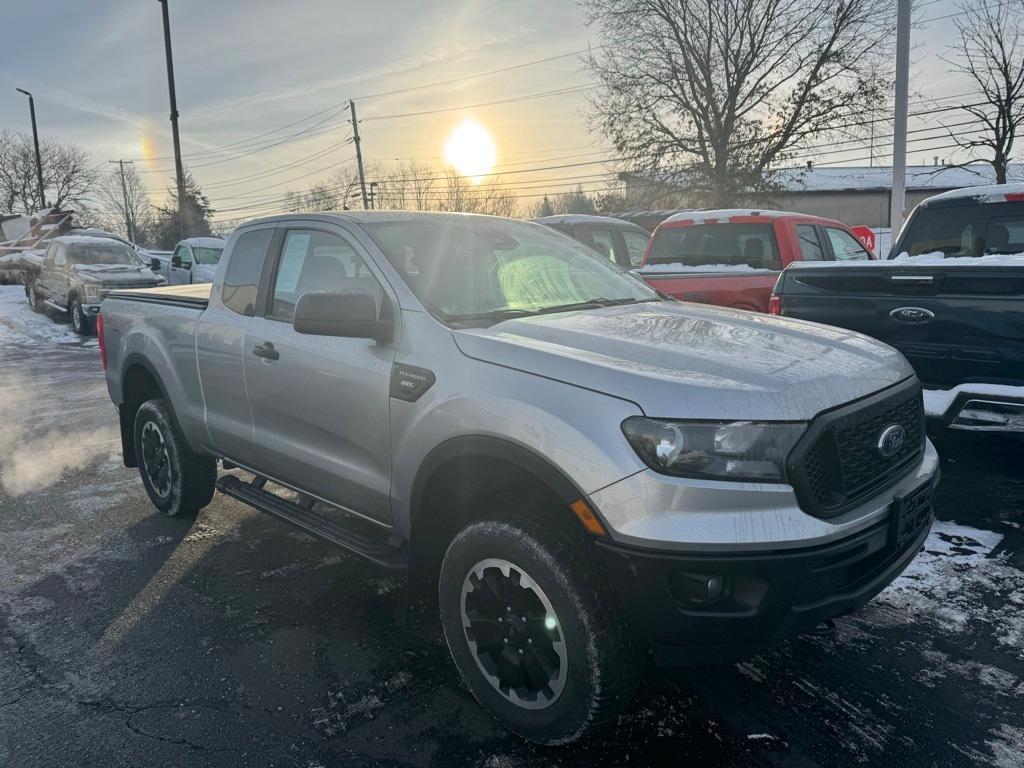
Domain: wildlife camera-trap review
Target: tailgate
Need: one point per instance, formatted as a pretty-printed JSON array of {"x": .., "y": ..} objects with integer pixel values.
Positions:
[
  {"x": 747, "y": 289},
  {"x": 954, "y": 324}
]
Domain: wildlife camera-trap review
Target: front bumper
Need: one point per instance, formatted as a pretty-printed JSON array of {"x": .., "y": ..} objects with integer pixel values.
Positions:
[
  {"x": 976, "y": 408},
  {"x": 762, "y": 597},
  {"x": 91, "y": 310}
]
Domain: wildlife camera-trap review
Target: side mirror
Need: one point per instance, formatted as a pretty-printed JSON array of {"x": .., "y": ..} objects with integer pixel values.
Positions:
[
  {"x": 175, "y": 261},
  {"x": 155, "y": 264},
  {"x": 352, "y": 314}
]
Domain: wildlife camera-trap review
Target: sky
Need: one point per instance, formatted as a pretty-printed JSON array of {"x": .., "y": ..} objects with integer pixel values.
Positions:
[{"x": 242, "y": 69}]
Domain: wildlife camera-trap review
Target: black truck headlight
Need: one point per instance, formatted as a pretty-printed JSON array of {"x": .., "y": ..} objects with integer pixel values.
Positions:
[{"x": 754, "y": 451}]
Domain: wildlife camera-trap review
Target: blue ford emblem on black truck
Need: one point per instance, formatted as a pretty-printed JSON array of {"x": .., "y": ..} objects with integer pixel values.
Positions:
[{"x": 912, "y": 314}]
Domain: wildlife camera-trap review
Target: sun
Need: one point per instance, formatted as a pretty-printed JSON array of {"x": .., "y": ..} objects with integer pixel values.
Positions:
[{"x": 471, "y": 151}]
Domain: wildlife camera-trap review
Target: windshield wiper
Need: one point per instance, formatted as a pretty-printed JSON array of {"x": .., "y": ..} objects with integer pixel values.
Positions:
[
  {"x": 595, "y": 303},
  {"x": 491, "y": 316}
]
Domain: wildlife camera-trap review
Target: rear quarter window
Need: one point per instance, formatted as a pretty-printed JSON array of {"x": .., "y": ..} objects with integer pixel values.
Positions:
[{"x": 245, "y": 265}]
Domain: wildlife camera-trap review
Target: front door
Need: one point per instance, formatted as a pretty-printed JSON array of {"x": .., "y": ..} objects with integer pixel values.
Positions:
[
  {"x": 180, "y": 270},
  {"x": 320, "y": 403}
]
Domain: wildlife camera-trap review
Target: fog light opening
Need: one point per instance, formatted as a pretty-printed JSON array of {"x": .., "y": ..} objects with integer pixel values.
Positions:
[{"x": 700, "y": 589}]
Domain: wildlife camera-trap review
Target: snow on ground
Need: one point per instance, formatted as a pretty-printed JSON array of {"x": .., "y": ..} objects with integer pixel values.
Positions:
[
  {"x": 20, "y": 325},
  {"x": 938, "y": 401},
  {"x": 947, "y": 582}
]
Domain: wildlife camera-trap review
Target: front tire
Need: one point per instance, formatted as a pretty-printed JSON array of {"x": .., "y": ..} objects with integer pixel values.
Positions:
[
  {"x": 79, "y": 321},
  {"x": 179, "y": 482},
  {"x": 35, "y": 301},
  {"x": 535, "y": 628}
]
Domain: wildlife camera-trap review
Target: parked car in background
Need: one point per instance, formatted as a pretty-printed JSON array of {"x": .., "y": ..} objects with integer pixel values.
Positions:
[
  {"x": 194, "y": 260},
  {"x": 617, "y": 240},
  {"x": 732, "y": 258},
  {"x": 952, "y": 301},
  {"x": 575, "y": 472},
  {"x": 78, "y": 271}
]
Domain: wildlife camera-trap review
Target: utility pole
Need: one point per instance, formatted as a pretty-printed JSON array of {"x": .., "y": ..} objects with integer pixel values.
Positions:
[
  {"x": 35, "y": 139},
  {"x": 359, "y": 156},
  {"x": 178, "y": 170},
  {"x": 129, "y": 223},
  {"x": 897, "y": 200}
]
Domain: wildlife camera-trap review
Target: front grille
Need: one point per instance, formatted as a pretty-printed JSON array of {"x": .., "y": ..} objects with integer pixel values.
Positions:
[{"x": 838, "y": 463}]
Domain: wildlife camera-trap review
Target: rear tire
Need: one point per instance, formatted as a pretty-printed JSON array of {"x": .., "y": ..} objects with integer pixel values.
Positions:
[
  {"x": 576, "y": 668},
  {"x": 179, "y": 481},
  {"x": 79, "y": 321}
]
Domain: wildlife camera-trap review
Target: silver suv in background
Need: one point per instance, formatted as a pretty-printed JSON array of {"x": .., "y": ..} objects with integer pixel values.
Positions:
[{"x": 575, "y": 472}]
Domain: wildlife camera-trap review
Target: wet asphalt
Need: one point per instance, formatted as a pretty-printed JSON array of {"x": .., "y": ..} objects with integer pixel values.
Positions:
[{"x": 130, "y": 639}]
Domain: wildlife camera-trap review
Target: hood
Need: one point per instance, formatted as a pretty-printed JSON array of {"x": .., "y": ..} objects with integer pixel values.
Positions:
[
  {"x": 678, "y": 360},
  {"x": 110, "y": 274}
]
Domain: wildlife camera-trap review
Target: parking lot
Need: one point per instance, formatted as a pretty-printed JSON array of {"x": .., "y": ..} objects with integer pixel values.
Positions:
[{"x": 127, "y": 638}]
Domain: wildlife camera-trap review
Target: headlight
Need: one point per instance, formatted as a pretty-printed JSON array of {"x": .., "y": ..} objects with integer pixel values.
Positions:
[
  {"x": 92, "y": 294},
  {"x": 714, "y": 450}
]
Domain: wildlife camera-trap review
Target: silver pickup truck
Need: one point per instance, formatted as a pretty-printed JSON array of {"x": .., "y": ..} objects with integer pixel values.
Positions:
[{"x": 577, "y": 473}]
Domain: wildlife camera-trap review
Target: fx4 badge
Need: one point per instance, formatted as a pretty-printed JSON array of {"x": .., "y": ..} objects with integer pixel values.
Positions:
[{"x": 912, "y": 314}]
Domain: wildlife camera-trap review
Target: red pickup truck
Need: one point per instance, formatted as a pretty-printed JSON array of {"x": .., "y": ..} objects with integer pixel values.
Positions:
[{"x": 733, "y": 257}]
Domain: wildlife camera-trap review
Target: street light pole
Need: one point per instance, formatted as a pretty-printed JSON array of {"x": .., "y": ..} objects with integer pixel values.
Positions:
[
  {"x": 35, "y": 139},
  {"x": 178, "y": 170},
  {"x": 897, "y": 201}
]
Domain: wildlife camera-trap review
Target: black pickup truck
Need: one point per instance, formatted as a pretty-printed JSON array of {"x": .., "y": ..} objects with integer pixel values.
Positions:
[{"x": 950, "y": 297}]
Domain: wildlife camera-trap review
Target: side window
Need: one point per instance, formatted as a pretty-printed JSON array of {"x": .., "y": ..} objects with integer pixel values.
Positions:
[
  {"x": 242, "y": 277},
  {"x": 604, "y": 242},
  {"x": 845, "y": 246},
  {"x": 317, "y": 261},
  {"x": 810, "y": 246},
  {"x": 636, "y": 244},
  {"x": 183, "y": 253},
  {"x": 60, "y": 256},
  {"x": 1005, "y": 235}
]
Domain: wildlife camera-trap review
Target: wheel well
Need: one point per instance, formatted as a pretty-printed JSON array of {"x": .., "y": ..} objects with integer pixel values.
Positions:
[
  {"x": 138, "y": 385},
  {"x": 462, "y": 489}
]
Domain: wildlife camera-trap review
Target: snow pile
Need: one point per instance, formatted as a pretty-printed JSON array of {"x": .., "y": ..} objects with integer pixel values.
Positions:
[
  {"x": 677, "y": 268},
  {"x": 947, "y": 583},
  {"x": 932, "y": 259},
  {"x": 938, "y": 401}
]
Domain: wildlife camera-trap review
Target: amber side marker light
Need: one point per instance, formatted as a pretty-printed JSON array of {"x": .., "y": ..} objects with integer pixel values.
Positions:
[{"x": 586, "y": 516}]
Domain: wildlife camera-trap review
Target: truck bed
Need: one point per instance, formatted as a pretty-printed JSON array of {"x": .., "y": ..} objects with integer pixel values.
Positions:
[{"x": 190, "y": 296}]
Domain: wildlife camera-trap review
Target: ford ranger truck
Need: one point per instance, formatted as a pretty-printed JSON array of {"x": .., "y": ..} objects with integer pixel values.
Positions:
[{"x": 578, "y": 474}]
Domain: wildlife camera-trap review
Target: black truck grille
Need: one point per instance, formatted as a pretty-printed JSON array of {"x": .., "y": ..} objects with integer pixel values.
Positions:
[{"x": 838, "y": 462}]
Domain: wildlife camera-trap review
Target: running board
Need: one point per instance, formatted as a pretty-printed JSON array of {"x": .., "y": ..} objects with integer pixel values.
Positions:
[{"x": 377, "y": 550}]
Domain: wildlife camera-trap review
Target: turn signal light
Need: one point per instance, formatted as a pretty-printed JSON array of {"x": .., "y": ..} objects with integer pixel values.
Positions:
[{"x": 775, "y": 305}]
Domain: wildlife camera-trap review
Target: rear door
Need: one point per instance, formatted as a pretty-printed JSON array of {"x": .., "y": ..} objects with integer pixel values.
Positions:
[
  {"x": 320, "y": 404},
  {"x": 220, "y": 339},
  {"x": 954, "y": 324}
]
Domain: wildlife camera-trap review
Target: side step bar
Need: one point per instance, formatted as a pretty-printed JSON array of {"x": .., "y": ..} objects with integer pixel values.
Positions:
[{"x": 375, "y": 549}]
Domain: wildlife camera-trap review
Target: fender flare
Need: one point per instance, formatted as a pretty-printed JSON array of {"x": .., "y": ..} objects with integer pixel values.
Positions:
[
  {"x": 127, "y": 421},
  {"x": 494, "y": 448}
]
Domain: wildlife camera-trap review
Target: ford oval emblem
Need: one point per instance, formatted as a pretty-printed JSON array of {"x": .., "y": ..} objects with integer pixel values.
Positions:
[
  {"x": 891, "y": 440},
  {"x": 912, "y": 314}
]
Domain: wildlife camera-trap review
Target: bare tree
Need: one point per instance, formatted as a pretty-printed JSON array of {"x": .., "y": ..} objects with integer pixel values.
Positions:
[
  {"x": 68, "y": 174},
  {"x": 726, "y": 90},
  {"x": 111, "y": 200},
  {"x": 991, "y": 53}
]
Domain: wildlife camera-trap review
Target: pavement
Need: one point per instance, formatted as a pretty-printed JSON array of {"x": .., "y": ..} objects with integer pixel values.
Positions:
[{"x": 131, "y": 639}]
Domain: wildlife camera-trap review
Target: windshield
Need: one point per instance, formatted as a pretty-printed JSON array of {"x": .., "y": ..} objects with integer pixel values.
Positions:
[
  {"x": 112, "y": 253},
  {"x": 698, "y": 245},
  {"x": 965, "y": 230},
  {"x": 480, "y": 270},
  {"x": 205, "y": 255}
]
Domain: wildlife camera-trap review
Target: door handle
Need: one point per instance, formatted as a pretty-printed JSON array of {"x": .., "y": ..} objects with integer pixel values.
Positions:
[{"x": 266, "y": 351}]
